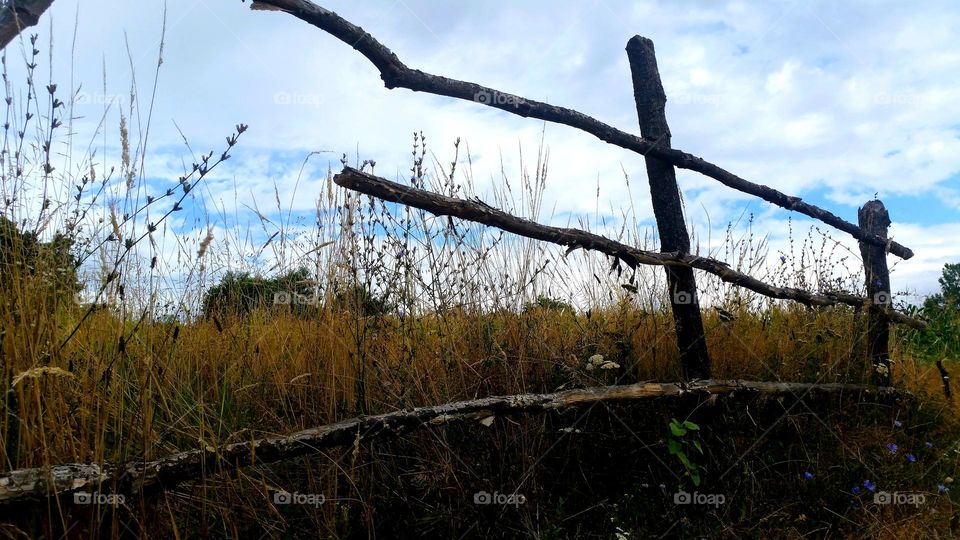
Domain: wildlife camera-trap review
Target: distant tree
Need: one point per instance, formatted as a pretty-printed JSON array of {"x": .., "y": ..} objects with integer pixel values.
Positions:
[
  {"x": 549, "y": 304},
  {"x": 358, "y": 299},
  {"x": 941, "y": 337},
  {"x": 47, "y": 269},
  {"x": 240, "y": 293},
  {"x": 949, "y": 297}
]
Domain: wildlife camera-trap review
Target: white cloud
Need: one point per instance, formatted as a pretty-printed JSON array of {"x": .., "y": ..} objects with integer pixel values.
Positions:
[{"x": 840, "y": 97}]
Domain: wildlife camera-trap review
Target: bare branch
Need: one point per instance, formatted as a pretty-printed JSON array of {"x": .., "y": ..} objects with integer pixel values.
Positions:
[
  {"x": 482, "y": 213},
  {"x": 169, "y": 471},
  {"x": 17, "y": 15},
  {"x": 397, "y": 75}
]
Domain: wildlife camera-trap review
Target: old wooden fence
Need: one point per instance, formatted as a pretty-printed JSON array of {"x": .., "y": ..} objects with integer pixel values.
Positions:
[{"x": 661, "y": 160}]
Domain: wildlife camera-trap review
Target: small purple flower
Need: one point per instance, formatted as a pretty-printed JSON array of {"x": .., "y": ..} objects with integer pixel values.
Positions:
[
  {"x": 869, "y": 485},
  {"x": 892, "y": 447},
  {"x": 911, "y": 458},
  {"x": 807, "y": 475},
  {"x": 856, "y": 489},
  {"x": 783, "y": 259},
  {"x": 896, "y": 423},
  {"x": 401, "y": 253},
  {"x": 928, "y": 444},
  {"x": 942, "y": 488}
]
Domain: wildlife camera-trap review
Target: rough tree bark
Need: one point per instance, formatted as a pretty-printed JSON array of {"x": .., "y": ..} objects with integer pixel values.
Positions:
[
  {"x": 165, "y": 473},
  {"x": 873, "y": 217},
  {"x": 667, "y": 207},
  {"x": 396, "y": 74},
  {"x": 17, "y": 15},
  {"x": 481, "y": 212}
]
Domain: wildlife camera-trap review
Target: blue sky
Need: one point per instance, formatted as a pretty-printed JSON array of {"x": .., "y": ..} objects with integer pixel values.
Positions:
[{"x": 830, "y": 101}]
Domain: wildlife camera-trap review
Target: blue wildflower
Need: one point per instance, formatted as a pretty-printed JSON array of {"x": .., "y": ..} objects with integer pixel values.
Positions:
[
  {"x": 783, "y": 259},
  {"x": 856, "y": 490},
  {"x": 869, "y": 485},
  {"x": 928, "y": 444},
  {"x": 896, "y": 423},
  {"x": 942, "y": 488},
  {"x": 911, "y": 458},
  {"x": 807, "y": 475},
  {"x": 892, "y": 447}
]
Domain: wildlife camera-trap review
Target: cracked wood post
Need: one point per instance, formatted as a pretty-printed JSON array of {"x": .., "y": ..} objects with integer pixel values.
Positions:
[
  {"x": 667, "y": 207},
  {"x": 873, "y": 217}
]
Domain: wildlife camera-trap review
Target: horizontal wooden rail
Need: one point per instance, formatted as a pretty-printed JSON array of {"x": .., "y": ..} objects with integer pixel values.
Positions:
[
  {"x": 396, "y": 74},
  {"x": 165, "y": 473},
  {"x": 480, "y": 212}
]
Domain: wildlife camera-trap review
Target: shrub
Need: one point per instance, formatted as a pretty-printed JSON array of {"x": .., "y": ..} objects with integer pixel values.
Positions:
[
  {"x": 27, "y": 263},
  {"x": 239, "y": 293}
]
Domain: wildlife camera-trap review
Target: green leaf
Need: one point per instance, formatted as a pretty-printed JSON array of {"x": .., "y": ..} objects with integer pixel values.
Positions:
[
  {"x": 690, "y": 425},
  {"x": 686, "y": 461},
  {"x": 695, "y": 476},
  {"x": 696, "y": 445},
  {"x": 674, "y": 446},
  {"x": 677, "y": 429}
]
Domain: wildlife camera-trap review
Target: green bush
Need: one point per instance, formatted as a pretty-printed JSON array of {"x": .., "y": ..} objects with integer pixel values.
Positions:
[
  {"x": 239, "y": 293},
  {"x": 548, "y": 304},
  {"x": 48, "y": 268},
  {"x": 941, "y": 338}
]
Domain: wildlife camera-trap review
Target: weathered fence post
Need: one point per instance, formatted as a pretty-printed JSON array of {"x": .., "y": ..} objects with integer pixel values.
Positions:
[
  {"x": 667, "y": 208},
  {"x": 873, "y": 218}
]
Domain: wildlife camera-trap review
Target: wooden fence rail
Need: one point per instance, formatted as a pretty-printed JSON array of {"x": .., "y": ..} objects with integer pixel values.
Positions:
[
  {"x": 481, "y": 212},
  {"x": 167, "y": 472}
]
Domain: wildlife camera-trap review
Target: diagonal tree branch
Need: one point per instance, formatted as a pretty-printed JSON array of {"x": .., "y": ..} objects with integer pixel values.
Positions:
[
  {"x": 17, "y": 15},
  {"x": 167, "y": 472},
  {"x": 396, "y": 74},
  {"x": 575, "y": 238}
]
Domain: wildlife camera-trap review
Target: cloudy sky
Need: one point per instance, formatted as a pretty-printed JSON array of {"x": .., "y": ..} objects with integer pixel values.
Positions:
[{"x": 830, "y": 101}]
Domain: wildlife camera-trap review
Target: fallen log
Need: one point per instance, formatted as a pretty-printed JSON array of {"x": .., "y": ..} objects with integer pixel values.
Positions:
[
  {"x": 167, "y": 472},
  {"x": 396, "y": 74},
  {"x": 481, "y": 212}
]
